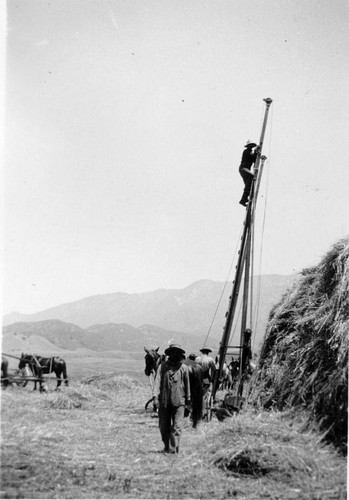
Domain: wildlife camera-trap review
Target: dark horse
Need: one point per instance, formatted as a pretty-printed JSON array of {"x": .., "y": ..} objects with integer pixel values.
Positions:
[
  {"x": 4, "y": 372},
  {"x": 152, "y": 362},
  {"x": 40, "y": 366}
]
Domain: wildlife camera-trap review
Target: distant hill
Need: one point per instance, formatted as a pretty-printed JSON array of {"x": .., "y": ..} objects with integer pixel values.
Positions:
[
  {"x": 196, "y": 309},
  {"x": 46, "y": 337}
]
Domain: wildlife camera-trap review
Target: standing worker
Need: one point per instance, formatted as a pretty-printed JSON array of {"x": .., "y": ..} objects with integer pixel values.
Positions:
[
  {"x": 172, "y": 392},
  {"x": 209, "y": 369},
  {"x": 234, "y": 368},
  {"x": 246, "y": 351},
  {"x": 247, "y": 160}
]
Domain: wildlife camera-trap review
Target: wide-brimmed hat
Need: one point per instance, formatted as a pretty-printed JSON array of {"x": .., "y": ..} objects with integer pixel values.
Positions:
[
  {"x": 174, "y": 348},
  {"x": 205, "y": 349},
  {"x": 250, "y": 144}
]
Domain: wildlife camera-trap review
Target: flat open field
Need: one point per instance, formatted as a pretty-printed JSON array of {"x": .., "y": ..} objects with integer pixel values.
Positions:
[
  {"x": 83, "y": 361},
  {"x": 95, "y": 440}
]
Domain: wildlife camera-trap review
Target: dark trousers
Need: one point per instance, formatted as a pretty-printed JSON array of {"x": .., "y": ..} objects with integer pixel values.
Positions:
[
  {"x": 247, "y": 178},
  {"x": 170, "y": 424}
]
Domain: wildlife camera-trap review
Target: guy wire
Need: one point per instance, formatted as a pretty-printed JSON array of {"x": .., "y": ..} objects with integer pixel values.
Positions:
[
  {"x": 224, "y": 287},
  {"x": 263, "y": 227}
]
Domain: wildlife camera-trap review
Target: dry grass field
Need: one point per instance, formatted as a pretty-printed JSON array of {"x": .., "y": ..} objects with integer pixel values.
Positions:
[{"x": 95, "y": 440}]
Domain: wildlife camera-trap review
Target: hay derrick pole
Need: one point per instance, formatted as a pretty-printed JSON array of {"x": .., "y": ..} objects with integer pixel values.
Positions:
[{"x": 243, "y": 266}]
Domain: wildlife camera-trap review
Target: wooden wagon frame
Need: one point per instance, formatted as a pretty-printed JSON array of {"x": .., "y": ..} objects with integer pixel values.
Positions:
[{"x": 17, "y": 379}]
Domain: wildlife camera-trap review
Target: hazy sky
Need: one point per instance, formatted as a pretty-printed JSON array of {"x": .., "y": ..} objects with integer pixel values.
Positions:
[{"x": 124, "y": 128}]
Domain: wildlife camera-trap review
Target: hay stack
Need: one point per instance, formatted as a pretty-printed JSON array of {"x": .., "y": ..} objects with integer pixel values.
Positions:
[{"x": 304, "y": 357}]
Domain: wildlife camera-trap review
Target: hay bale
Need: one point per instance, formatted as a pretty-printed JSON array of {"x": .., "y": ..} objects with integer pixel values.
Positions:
[{"x": 304, "y": 358}]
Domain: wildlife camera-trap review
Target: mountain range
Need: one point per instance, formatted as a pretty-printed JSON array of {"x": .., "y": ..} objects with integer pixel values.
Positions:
[
  {"x": 122, "y": 321},
  {"x": 49, "y": 336}
]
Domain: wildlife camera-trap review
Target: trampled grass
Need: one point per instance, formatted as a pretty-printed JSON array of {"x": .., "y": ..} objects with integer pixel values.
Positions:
[{"x": 95, "y": 440}]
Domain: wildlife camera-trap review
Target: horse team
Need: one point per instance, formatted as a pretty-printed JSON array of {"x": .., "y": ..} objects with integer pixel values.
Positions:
[{"x": 34, "y": 367}]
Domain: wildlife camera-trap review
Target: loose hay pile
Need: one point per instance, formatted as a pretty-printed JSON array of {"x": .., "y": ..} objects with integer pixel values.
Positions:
[
  {"x": 105, "y": 381},
  {"x": 94, "y": 390},
  {"x": 304, "y": 359},
  {"x": 268, "y": 448},
  {"x": 67, "y": 400},
  {"x": 244, "y": 461}
]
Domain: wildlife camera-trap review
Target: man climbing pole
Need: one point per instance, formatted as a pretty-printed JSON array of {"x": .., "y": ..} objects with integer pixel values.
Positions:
[{"x": 247, "y": 160}]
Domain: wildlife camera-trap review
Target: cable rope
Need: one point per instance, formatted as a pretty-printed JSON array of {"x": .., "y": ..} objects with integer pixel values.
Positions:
[
  {"x": 256, "y": 314},
  {"x": 252, "y": 313},
  {"x": 223, "y": 290},
  {"x": 262, "y": 116},
  {"x": 252, "y": 270},
  {"x": 256, "y": 309},
  {"x": 252, "y": 244},
  {"x": 227, "y": 279},
  {"x": 236, "y": 321}
]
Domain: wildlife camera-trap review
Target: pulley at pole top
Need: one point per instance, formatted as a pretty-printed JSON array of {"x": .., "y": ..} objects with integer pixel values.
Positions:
[{"x": 268, "y": 102}]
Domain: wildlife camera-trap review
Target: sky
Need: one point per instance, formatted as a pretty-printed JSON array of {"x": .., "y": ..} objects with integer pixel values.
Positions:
[{"x": 123, "y": 131}]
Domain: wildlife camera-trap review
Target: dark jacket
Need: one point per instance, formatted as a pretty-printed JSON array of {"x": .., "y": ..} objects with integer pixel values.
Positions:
[{"x": 248, "y": 158}]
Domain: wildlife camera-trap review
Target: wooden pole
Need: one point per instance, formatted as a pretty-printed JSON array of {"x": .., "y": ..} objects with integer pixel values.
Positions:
[
  {"x": 245, "y": 300},
  {"x": 245, "y": 249},
  {"x": 233, "y": 303}
]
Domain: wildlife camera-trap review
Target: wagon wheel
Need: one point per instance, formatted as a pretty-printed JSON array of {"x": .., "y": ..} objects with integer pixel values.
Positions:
[
  {"x": 148, "y": 402},
  {"x": 154, "y": 405}
]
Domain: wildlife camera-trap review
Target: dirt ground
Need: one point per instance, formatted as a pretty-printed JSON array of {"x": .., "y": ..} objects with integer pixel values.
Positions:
[{"x": 95, "y": 440}]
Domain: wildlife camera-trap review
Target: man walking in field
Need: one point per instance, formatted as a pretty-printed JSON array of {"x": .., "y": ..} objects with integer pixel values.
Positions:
[{"x": 172, "y": 392}]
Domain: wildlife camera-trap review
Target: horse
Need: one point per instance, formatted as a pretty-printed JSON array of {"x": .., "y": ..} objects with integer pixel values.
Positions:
[
  {"x": 153, "y": 360},
  {"x": 40, "y": 365},
  {"x": 4, "y": 372}
]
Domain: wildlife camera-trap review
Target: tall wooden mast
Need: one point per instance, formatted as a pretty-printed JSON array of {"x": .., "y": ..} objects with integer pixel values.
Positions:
[{"x": 243, "y": 266}]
